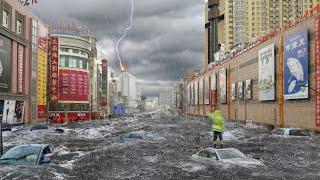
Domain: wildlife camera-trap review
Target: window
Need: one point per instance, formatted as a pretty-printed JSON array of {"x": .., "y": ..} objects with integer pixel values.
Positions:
[
  {"x": 64, "y": 49},
  {"x": 278, "y": 132},
  {"x": 5, "y": 18},
  {"x": 80, "y": 64},
  {"x": 76, "y": 51},
  {"x": 19, "y": 27},
  {"x": 72, "y": 62},
  {"x": 299, "y": 133},
  {"x": 62, "y": 61}
]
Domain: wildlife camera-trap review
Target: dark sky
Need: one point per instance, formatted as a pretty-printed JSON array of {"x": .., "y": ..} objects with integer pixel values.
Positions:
[{"x": 166, "y": 39}]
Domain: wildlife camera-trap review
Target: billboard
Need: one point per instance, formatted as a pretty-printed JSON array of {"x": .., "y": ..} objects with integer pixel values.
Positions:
[
  {"x": 42, "y": 77},
  {"x": 240, "y": 90},
  {"x": 223, "y": 86},
  {"x": 206, "y": 90},
  {"x": 248, "y": 89},
  {"x": 74, "y": 86},
  {"x": 20, "y": 78},
  {"x": 267, "y": 73},
  {"x": 5, "y": 64},
  {"x": 233, "y": 91},
  {"x": 18, "y": 112},
  {"x": 8, "y": 111},
  {"x": 196, "y": 94},
  {"x": 201, "y": 91},
  {"x": 296, "y": 64},
  {"x": 213, "y": 82},
  {"x": 54, "y": 65}
]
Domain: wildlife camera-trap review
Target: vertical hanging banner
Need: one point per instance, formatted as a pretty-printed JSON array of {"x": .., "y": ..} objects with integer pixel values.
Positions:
[
  {"x": 42, "y": 77},
  {"x": 201, "y": 91},
  {"x": 206, "y": 90},
  {"x": 296, "y": 65},
  {"x": 317, "y": 69},
  {"x": 223, "y": 86},
  {"x": 104, "y": 83},
  {"x": 20, "y": 68},
  {"x": 266, "y": 74},
  {"x": 213, "y": 91},
  {"x": 54, "y": 64}
]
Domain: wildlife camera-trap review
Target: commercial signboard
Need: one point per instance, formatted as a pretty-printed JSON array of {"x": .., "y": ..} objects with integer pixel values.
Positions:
[
  {"x": 20, "y": 68},
  {"x": 317, "y": 70},
  {"x": 296, "y": 79},
  {"x": 104, "y": 81},
  {"x": 201, "y": 91},
  {"x": 206, "y": 90},
  {"x": 74, "y": 86},
  {"x": 5, "y": 64},
  {"x": 42, "y": 77},
  {"x": 240, "y": 90},
  {"x": 54, "y": 66},
  {"x": 233, "y": 91},
  {"x": 223, "y": 86},
  {"x": 248, "y": 89},
  {"x": 267, "y": 73}
]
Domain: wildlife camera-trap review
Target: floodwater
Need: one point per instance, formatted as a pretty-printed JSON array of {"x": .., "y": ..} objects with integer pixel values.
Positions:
[{"x": 95, "y": 151}]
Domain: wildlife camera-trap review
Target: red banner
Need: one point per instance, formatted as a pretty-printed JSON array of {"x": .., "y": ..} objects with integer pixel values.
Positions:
[
  {"x": 54, "y": 65},
  {"x": 74, "y": 85},
  {"x": 213, "y": 100},
  {"x": 42, "y": 111},
  {"x": 20, "y": 68},
  {"x": 317, "y": 74}
]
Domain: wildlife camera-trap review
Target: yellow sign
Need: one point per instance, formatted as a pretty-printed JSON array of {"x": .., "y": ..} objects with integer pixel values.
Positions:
[{"x": 42, "y": 77}]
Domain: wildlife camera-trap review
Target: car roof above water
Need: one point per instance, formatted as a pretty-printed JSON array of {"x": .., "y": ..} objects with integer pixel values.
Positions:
[{"x": 35, "y": 145}]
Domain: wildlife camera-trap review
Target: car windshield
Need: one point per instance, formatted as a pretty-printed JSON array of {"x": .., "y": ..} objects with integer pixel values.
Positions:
[
  {"x": 21, "y": 155},
  {"x": 298, "y": 132},
  {"x": 230, "y": 154}
]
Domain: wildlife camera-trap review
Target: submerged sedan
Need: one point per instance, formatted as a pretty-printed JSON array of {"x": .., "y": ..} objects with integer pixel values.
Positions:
[
  {"x": 227, "y": 156},
  {"x": 28, "y": 154},
  {"x": 290, "y": 132}
]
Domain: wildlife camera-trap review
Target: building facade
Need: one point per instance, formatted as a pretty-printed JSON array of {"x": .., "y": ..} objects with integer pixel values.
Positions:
[
  {"x": 23, "y": 44},
  {"x": 69, "y": 77},
  {"x": 127, "y": 88}
]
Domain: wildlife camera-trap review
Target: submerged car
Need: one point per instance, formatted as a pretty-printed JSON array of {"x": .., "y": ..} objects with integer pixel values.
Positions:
[
  {"x": 28, "y": 154},
  {"x": 137, "y": 135},
  {"x": 226, "y": 156},
  {"x": 290, "y": 132}
]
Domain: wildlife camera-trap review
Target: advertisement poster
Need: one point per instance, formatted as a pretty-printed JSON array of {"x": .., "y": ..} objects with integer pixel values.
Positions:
[
  {"x": 223, "y": 86},
  {"x": 8, "y": 112},
  {"x": 20, "y": 68},
  {"x": 233, "y": 91},
  {"x": 240, "y": 90},
  {"x": 213, "y": 82},
  {"x": 5, "y": 64},
  {"x": 74, "y": 86},
  {"x": 206, "y": 90},
  {"x": 296, "y": 65},
  {"x": 18, "y": 112},
  {"x": 42, "y": 77},
  {"x": 196, "y": 94},
  {"x": 248, "y": 89},
  {"x": 267, "y": 74},
  {"x": 54, "y": 66},
  {"x": 201, "y": 91}
]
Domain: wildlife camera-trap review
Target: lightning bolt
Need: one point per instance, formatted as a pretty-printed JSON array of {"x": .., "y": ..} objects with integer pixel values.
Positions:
[{"x": 125, "y": 32}]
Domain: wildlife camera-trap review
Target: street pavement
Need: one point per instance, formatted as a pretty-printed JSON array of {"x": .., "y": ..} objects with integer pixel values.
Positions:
[{"x": 95, "y": 151}]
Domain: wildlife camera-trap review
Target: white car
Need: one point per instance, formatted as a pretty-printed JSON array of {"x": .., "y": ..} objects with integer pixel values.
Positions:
[
  {"x": 290, "y": 132},
  {"x": 226, "y": 156}
]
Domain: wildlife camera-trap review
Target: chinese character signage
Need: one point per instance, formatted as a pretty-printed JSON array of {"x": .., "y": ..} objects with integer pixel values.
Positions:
[
  {"x": 20, "y": 68},
  {"x": 266, "y": 74},
  {"x": 54, "y": 64},
  {"x": 74, "y": 86},
  {"x": 206, "y": 90},
  {"x": 42, "y": 77},
  {"x": 317, "y": 71},
  {"x": 104, "y": 77},
  {"x": 296, "y": 65},
  {"x": 5, "y": 64},
  {"x": 223, "y": 86}
]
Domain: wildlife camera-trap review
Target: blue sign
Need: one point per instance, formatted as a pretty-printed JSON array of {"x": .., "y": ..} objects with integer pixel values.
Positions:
[{"x": 296, "y": 78}]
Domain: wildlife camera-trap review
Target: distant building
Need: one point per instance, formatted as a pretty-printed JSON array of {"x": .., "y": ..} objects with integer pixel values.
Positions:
[
  {"x": 127, "y": 88},
  {"x": 152, "y": 103},
  {"x": 166, "y": 99}
]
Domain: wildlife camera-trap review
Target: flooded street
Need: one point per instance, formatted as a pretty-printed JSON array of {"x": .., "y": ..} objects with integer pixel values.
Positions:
[{"x": 96, "y": 152}]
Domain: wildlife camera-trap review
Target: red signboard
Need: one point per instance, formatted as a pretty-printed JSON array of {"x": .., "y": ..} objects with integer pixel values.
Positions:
[
  {"x": 213, "y": 99},
  {"x": 74, "y": 85},
  {"x": 42, "y": 44},
  {"x": 20, "y": 68},
  {"x": 54, "y": 64},
  {"x": 317, "y": 69},
  {"x": 42, "y": 111}
]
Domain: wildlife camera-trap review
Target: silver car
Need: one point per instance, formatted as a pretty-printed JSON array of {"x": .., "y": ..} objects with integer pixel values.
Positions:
[
  {"x": 290, "y": 132},
  {"x": 226, "y": 156}
]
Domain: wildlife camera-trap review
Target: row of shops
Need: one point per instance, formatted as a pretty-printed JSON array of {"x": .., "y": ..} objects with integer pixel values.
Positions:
[{"x": 274, "y": 82}]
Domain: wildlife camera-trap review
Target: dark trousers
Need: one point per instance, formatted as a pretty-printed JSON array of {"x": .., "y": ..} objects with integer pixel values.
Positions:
[{"x": 217, "y": 135}]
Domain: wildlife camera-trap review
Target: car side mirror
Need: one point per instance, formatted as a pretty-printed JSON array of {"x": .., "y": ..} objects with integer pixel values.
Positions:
[{"x": 46, "y": 160}]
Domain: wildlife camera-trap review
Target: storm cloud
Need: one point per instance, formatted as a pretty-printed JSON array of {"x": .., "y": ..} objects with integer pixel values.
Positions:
[{"x": 166, "y": 39}]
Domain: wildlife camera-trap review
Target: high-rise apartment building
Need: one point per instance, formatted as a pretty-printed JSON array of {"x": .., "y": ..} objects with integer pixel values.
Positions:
[{"x": 127, "y": 87}]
